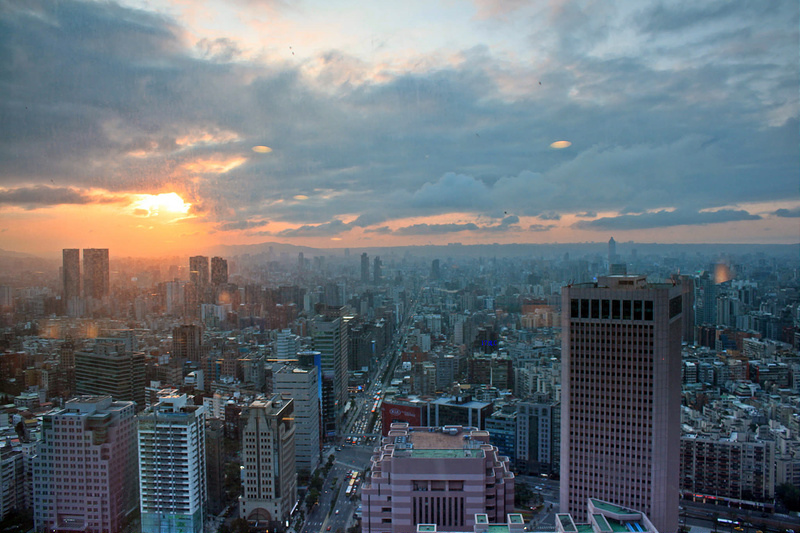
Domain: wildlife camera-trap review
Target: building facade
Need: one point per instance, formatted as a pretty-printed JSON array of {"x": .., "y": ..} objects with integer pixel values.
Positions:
[
  {"x": 172, "y": 466},
  {"x": 85, "y": 472},
  {"x": 302, "y": 385},
  {"x": 435, "y": 475},
  {"x": 621, "y": 386},
  {"x": 71, "y": 273},
  {"x": 269, "y": 476},
  {"x": 95, "y": 273},
  {"x": 110, "y": 369}
]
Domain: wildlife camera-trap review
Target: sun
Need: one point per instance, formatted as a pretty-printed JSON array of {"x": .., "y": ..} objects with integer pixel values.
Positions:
[{"x": 154, "y": 204}]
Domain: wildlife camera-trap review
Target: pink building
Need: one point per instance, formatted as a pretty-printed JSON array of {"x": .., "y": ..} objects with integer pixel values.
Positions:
[
  {"x": 621, "y": 395},
  {"x": 435, "y": 475},
  {"x": 85, "y": 475}
]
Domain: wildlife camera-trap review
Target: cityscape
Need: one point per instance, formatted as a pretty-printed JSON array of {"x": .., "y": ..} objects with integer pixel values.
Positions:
[{"x": 466, "y": 266}]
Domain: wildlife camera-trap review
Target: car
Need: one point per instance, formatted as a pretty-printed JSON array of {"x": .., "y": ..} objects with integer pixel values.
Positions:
[
  {"x": 337, "y": 511},
  {"x": 328, "y": 528}
]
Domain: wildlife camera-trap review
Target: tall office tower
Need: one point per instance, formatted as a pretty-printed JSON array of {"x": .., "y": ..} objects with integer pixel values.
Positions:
[
  {"x": 376, "y": 270},
  {"x": 302, "y": 385},
  {"x": 621, "y": 396},
  {"x": 435, "y": 274},
  {"x": 95, "y": 272},
  {"x": 612, "y": 252},
  {"x": 111, "y": 370},
  {"x": 71, "y": 273},
  {"x": 85, "y": 473},
  {"x": 329, "y": 337},
  {"x": 436, "y": 475},
  {"x": 187, "y": 342},
  {"x": 198, "y": 270},
  {"x": 364, "y": 268},
  {"x": 219, "y": 270},
  {"x": 705, "y": 300},
  {"x": 269, "y": 478},
  {"x": 172, "y": 465}
]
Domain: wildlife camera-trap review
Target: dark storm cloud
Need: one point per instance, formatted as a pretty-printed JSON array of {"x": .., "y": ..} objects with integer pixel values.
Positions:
[
  {"x": 40, "y": 196},
  {"x": 788, "y": 213},
  {"x": 662, "y": 219},
  {"x": 701, "y": 115}
]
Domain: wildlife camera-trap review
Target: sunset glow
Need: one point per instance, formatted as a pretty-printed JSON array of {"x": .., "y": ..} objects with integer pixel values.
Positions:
[{"x": 155, "y": 204}]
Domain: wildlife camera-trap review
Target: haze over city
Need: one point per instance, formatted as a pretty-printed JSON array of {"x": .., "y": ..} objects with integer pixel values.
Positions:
[{"x": 168, "y": 127}]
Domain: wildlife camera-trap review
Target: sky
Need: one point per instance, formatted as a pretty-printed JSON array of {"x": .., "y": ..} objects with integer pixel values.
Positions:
[{"x": 159, "y": 127}]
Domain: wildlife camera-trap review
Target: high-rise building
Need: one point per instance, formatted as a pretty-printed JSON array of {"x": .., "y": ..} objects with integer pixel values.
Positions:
[
  {"x": 435, "y": 273},
  {"x": 111, "y": 369},
  {"x": 172, "y": 466},
  {"x": 329, "y": 337},
  {"x": 71, "y": 273},
  {"x": 85, "y": 473},
  {"x": 376, "y": 270},
  {"x": 436, "y": 475},
  {"x": 612, "y": 252},
  {"x": 269, "y": 477},
  {"x": 95, "y": 273},
  {"x": 621, "y": 387},
  {"x": 198, "y": 270},
  {"x": 364, "y": 268},
  {"x": 302, "y": 385},
  {"x": 219, "y": 270}
]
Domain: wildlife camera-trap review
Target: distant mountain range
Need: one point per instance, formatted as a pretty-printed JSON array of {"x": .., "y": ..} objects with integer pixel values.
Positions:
[{"x": 510, "y": 250}]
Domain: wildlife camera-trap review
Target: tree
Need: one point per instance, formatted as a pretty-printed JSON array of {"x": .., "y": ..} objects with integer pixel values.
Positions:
[
  {"x": 789, "y": 495},
  {"x": 522, "y": 494},
  {"x": 240, "y": 525},
  {"x": 312, "y": 498}
]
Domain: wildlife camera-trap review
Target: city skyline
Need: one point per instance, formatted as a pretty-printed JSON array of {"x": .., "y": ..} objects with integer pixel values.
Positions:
[{"x": 176, "y": 127}]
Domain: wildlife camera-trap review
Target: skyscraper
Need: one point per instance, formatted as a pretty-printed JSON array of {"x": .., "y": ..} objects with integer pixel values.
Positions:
[
  {"x": 302, "y": 385},
  {"x": 269, "y": 478},
  {"x": 621, "y": 386},
  {"x": 364, "y": 268},
  {"x": 95, "y": 272},
  {"x": 198, "y": 270},
  {"x": 376, "y": 270},
  {"x": 71, "y": 273},
  {"x": 329, "y": 337},
  {"x": 85, "y": 474},
  {"x": 612, "y": 252},
  {"x": 172, "y": 466},
  {"x": 219, "y": 270}
]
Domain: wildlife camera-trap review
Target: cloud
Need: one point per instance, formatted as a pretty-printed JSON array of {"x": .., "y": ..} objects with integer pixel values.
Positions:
[
  {"x": 41, "y": 196},
  {"x": 788, "y": 213},
  {"x": 383, "y": 230},
  {"x": 661, "y": 219},
  {"x": 435, "y": 229},
  {"x": 118, "y": 99},
  {"x": 550, "y": 216},
  {"x": 541, "y": 227},
  {"x": 242, "y": 224},
  {"x": 334, "y": 227},
  {"x": 508, "y": 223}
]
